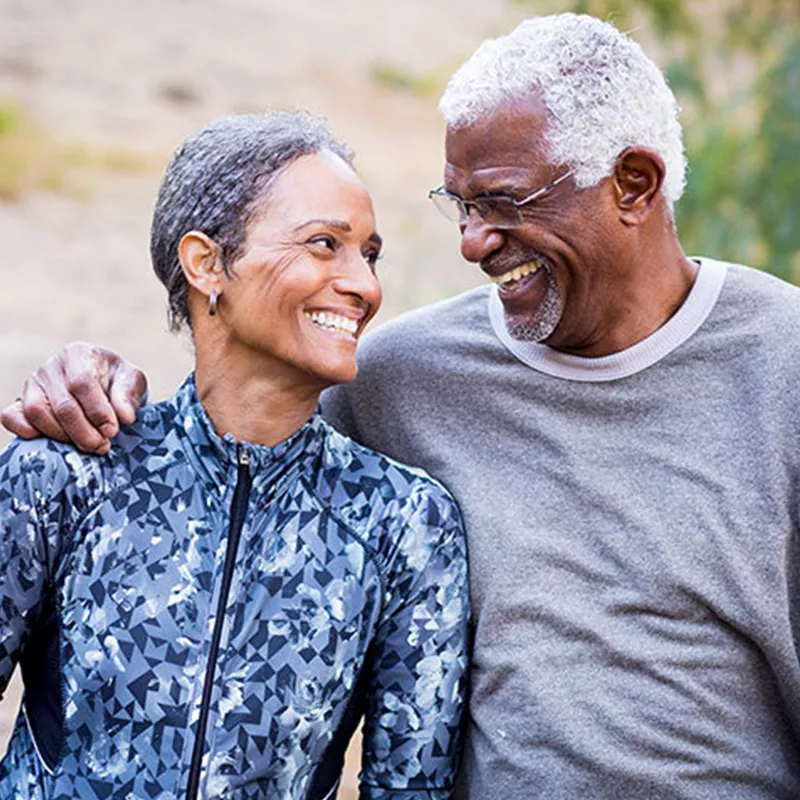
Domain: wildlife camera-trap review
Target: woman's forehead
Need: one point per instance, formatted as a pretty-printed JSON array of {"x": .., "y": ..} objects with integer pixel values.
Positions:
[{"x": 320, "y": 186}]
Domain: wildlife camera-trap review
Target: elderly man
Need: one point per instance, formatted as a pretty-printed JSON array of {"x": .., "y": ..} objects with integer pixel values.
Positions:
[{"x": 618, "y": 424}]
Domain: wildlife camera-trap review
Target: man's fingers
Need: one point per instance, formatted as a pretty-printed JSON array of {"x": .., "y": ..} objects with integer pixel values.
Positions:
[
  {"x": 78, "y": 395},
  {"x": 86, "y": 371},
  {"x": 13, "y": 419},
  {"x": 38, "y": 413},
  {"x": 128, "y": 386},
  {"x": 50, "y": 405},
  {"x": 86, "y": 397}
]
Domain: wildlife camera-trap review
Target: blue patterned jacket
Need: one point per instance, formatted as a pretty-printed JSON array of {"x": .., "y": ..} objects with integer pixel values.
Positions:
[{"x": 197, "y": 618}]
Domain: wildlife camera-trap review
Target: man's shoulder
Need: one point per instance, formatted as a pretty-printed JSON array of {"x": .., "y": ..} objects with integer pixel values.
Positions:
[
  {"x": 747, "y": 283},
  {"x": 404, "y": 363},
  {"x": 755, "y": 300},
  {"x": 430, "y": 325}
]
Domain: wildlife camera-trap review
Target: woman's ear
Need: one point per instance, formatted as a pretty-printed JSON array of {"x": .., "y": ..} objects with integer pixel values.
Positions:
[
  {"x": 201, "y": 262},
  {"x": 638, "y": 178}
]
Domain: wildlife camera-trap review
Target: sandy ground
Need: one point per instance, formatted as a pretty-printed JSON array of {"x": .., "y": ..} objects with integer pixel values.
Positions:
[{"x": 137, "y": 77}]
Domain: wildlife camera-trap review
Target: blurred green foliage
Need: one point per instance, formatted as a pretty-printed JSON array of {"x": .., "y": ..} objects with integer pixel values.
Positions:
[
  {"x": 735, "y": 67},
  {"x": 32, "y": 160},
  {"x": 385, "y": 74}
]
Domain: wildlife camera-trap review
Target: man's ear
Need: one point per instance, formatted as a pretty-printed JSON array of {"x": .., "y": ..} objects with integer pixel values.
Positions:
[
  {"x": 200, "y": 259},
  {"x": 638, "y": 178}
]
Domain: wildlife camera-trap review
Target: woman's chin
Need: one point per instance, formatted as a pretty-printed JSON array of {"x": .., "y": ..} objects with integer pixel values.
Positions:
[
  {"x": 344, "y": 374},
  {"x": 332, "y": 373}
]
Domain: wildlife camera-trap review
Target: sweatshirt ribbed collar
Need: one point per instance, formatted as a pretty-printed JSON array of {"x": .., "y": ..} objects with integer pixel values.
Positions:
[{"x": 686, "y": 321}]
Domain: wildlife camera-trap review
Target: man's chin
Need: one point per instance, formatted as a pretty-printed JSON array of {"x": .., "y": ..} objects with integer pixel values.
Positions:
[
  {"x": 538, "y": 322},
  {"x": 528, "y": 330},
  {"x": 537, "y": 327}
]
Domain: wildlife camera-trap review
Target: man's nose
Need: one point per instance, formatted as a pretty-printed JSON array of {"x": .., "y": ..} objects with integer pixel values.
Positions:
[{"x": 478, "y": 239}]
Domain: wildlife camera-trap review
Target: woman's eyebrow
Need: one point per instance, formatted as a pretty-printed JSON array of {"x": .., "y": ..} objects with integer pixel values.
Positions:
[
  {"x": 331, "y": 223},
  {"x": 340, "y": 225}
]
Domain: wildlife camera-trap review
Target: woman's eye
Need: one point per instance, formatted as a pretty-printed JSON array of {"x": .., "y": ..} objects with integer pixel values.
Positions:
[
  {"x": 325, "y": 241},
  {"x": 372, "y": 257}
]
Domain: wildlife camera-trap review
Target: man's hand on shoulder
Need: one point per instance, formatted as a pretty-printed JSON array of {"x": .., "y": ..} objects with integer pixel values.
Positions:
[{"x": 81, "y": 395}]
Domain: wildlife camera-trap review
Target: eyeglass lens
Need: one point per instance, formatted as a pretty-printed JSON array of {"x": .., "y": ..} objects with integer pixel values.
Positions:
[{"x": 494, "y": 210}]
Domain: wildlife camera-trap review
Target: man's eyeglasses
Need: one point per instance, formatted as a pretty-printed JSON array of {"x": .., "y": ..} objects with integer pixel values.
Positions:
[{"x": 499, "y": 211}]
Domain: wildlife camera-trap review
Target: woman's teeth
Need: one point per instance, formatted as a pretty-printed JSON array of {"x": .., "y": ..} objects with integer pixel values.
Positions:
[
  {"x": 517, "y": 273},
  {"x": 333, "y": 322}
]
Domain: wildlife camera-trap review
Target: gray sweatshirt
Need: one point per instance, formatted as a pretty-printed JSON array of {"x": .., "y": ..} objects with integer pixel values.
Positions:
[{"x": 633, "y": 533}]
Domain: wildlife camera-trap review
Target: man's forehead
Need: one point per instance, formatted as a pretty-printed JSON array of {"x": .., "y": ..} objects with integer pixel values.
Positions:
[
  {"x": 503, "y": 149},
  {"x": 489, "y": 180},
  {"x": 508, "y": 135}
]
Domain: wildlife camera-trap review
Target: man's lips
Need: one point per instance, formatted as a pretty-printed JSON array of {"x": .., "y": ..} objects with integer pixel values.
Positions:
[{"x": 518, "y": 276}]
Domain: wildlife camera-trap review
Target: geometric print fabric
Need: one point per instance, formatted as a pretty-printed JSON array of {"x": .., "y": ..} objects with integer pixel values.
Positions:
[{"x": 349, "y": 577}]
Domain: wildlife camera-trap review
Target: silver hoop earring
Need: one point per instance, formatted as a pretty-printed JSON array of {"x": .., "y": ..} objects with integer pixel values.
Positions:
[{"x": 212, "y": 303}]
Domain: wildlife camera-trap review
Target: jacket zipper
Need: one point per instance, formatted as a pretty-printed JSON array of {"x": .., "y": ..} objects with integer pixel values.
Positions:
[{"x": 241, "y": 496}]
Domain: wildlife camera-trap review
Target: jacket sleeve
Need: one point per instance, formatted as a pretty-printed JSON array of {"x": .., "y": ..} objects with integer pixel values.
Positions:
[
  {"x": 30, "y": 479},
  {"x": 417, "y": 690}
]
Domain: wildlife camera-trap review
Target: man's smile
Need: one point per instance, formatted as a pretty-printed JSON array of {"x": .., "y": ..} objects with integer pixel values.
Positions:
[{"x": 507, "y": 279}]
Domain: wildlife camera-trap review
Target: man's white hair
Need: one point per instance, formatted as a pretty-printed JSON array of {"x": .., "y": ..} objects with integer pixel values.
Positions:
[{"x": 601, "y": 91}]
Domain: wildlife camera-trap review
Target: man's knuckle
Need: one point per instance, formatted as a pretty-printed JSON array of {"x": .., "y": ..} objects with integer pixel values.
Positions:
[
  {"x": 38, "y": 417},
  {"x": 66, "y": 409},
  {"x": 80, "y": 382}
]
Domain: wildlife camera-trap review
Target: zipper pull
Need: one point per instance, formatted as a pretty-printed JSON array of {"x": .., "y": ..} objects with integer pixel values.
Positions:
[{"x": 242, "y": 455}]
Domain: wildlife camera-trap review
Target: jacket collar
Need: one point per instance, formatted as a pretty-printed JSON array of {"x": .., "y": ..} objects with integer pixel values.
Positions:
[{"x": 218, "y": 455}]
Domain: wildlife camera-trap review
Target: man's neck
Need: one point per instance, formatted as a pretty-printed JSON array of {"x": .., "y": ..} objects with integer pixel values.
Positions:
[{"x": 651, "y": 289}]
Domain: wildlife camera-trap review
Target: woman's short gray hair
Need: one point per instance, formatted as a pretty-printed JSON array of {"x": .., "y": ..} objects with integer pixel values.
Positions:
[
  {"x": 602, "y": 94},
  {"x": 217, "y": 179}
]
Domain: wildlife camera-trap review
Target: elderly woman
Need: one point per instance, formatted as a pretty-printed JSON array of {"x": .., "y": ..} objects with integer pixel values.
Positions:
[{"x": 208, "y": 609}]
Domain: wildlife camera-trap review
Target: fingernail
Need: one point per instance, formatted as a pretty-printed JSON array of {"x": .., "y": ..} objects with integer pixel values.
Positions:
[{"x": 108, "y": 429}]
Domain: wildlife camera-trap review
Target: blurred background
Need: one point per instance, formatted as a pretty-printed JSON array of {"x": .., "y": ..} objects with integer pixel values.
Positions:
[{"x": 95, "y": 95}]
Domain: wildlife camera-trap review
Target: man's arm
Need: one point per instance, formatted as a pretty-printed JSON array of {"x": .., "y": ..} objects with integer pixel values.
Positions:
[{"x": 82, "y": 395}]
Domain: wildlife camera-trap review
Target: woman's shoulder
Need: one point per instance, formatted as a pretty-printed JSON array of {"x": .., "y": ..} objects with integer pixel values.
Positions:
[
  {"x": 50, "y": 468},
  {"x": 52, "y": 476},
  {"x": 153, "y": 422},
  {"x": 382, "y": 499},
  {"x": 392, "y": 478}
]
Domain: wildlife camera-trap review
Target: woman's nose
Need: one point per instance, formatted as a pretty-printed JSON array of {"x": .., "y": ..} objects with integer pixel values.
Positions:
[{"x": 358, "y": 278}]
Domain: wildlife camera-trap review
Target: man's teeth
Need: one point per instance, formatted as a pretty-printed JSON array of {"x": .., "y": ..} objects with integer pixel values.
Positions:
[
  {"x": 333, "y": 322},
  {"x": 517, "y": 273}
]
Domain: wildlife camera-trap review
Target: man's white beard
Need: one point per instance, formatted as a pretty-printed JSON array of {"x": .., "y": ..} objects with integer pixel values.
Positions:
[{"x": 537, "y": 328}]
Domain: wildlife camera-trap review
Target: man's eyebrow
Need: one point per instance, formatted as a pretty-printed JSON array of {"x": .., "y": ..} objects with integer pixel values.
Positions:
[
  {"x": 508, "y": 188},
  {"x": 504, "y": 189}
]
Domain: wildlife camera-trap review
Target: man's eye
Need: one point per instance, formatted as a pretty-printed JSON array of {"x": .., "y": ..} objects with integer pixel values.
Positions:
[{"x": 492, "y": 205}]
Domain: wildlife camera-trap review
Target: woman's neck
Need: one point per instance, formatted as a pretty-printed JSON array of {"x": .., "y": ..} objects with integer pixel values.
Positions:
[{"x": 252, "y": 405}]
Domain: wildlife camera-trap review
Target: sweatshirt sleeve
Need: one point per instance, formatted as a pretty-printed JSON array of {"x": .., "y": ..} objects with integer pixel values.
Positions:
[
  {"x": 417, "y": 692},
  {"x": 32, "y": 487}
]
